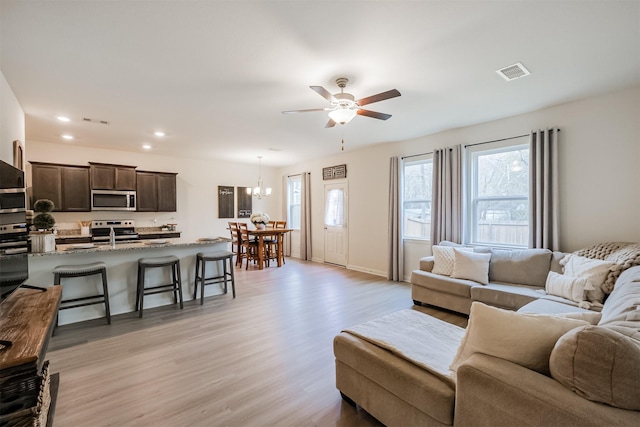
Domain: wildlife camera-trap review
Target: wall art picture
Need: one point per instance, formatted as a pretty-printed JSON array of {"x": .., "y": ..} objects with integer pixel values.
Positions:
[
  {"x": 225, "y": 201},
  {"x": 244, "y": 203}
]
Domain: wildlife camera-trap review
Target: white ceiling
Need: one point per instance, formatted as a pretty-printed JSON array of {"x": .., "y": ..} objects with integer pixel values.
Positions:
[{"x": 215, "y": 75}]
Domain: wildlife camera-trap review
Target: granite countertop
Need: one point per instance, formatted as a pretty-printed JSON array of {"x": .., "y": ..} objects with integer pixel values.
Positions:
[
  {"x": 149, "y": 244},
  {"x": 75, "y": 233}
]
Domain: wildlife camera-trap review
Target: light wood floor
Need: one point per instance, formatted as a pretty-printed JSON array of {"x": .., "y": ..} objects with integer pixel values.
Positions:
[{"x": 263, "y": 359}]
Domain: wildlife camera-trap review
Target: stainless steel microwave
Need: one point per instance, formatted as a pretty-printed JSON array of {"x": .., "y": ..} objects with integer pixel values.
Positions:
[
  {"x": 113, "y": 200},
  {"x": 12, "y": 200}
]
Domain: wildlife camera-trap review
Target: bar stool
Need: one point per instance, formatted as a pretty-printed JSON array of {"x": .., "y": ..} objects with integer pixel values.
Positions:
[
  {"x": 170, "y": 261},
  {"x": 82, "y": 271},
  {"x": 201, "y": 261}
]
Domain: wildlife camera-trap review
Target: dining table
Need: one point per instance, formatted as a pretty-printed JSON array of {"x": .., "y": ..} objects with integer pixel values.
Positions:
[{"x": 260, "y": 235}]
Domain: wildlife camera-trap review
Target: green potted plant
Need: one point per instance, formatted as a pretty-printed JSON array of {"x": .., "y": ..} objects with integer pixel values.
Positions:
[{"x": 43, "y": 239}]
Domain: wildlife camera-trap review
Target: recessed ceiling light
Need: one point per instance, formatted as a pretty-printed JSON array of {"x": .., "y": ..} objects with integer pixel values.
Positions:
[
  {"x": 63, "y": 119},
  {"x": 146, "y": 147},
  {"x": 158, "y": 133},
  {"x": 67, "y": 136}
]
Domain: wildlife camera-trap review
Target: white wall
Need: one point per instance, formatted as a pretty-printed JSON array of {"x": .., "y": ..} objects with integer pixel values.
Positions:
[
  {"x": 11, "y": 121},
  {"x": 599, "y": 177},
  {"x": 197, "y": 183}
]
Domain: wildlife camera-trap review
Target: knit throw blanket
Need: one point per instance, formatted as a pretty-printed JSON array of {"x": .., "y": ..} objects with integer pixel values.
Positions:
[
  {"x": 423, "y": 340},
  {"x": 625, "y": 255}
]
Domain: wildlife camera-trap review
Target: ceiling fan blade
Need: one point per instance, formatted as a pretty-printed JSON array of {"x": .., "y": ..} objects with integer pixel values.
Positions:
[
  {"x": 330, "y": 124},
  {"x": 324, "y": 93},
  {"x": 305, "y": 111},
  {"x": 379, "y": 97},
  {"x": 373, "y": 114}
]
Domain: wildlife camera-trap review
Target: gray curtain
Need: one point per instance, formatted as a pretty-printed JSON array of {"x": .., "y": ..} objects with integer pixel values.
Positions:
[
  {"x": 543, "y": 190},
  {"x": 305, "y": 217},
  {"x": 396, "y": 264},
  {"x": 285, "y": 209},
  {"x": 446, "y": 202}
]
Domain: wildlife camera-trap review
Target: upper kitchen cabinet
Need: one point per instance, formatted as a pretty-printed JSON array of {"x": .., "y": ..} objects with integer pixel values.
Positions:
[
  {"x": 112, "y": 177},
  {"x": 156, "y": 191},
  {"x": 66, "y": 186}
]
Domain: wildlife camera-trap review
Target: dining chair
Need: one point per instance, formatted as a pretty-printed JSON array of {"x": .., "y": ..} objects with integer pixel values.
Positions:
[
  {"x": 248, "y": 247},
  {"x": 235, "y": 241}
]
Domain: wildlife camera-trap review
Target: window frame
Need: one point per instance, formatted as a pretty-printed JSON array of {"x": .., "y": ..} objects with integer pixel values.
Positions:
[
  {"x": 290, "y": 181},
  {"x": 413, "y": 160},
  {"x": 470, "y": 189}
]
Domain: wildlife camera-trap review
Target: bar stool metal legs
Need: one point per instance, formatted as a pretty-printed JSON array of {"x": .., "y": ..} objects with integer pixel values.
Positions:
[
  {"x": 175, "y": 286},
  {"x": 82, "y": 271},
  {"x": 227, "y": 274}
]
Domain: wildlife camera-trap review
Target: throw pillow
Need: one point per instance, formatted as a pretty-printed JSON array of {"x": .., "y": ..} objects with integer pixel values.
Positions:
[
  {"x": 443, "y": 259},
  {"x": 522, "y": 338},
  {"x": 600, "y": 364},
  {"x": 594, "y": 271},
  {"x": 471, "y": 266},
  {"x": 569, "y": 287}
]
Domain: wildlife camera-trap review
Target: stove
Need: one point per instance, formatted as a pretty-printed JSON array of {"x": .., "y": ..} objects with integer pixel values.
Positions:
[{"x": 124, "y": 230}]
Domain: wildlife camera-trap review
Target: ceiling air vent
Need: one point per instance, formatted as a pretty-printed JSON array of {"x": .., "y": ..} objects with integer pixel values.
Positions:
[
  {"x": 513, "y": 72},
  {"x": 100, "y": 122}
]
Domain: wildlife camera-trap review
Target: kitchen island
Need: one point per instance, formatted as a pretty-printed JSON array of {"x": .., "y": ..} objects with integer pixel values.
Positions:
[{"x": 122, "y": 270}]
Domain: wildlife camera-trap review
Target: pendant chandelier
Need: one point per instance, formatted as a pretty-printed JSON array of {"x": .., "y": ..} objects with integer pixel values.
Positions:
[{"x": 260, "y": 191}]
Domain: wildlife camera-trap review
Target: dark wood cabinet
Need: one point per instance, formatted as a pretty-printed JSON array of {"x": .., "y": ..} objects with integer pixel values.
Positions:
[
  {"x": 66, "y": 186},
  {"x": 156, "y": 191},
  {"x": 112, "y": 177},
  {"x": 46, "y": 183},
  {"x": 75, "y": 189}
]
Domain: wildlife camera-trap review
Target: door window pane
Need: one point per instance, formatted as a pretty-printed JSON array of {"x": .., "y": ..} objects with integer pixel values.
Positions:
[{"x": 334, "y": 210}]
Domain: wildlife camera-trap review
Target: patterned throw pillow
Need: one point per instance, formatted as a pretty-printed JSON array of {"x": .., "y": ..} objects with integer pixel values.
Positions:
[
  {"x": 443, "y": 259},
  {"x": 594, "y": 271}
]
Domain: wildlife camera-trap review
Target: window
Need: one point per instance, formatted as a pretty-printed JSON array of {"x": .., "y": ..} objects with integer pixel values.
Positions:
[
  {"x": 294, "y": 201},
  {"x": 497, "y": 211},
  {"x": 416, "y": 198},
  {"x": 334, "y": 209}
]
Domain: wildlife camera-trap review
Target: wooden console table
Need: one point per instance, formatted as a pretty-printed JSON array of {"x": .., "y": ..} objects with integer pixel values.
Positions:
[{"x": 27, "y": 319}]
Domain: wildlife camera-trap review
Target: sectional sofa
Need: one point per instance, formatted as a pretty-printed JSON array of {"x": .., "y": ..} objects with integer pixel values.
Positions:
[{"x": 543, "y": 362}]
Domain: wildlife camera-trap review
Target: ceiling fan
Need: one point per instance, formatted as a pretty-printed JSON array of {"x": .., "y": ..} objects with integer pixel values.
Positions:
[{"x": 344, "y": 107}]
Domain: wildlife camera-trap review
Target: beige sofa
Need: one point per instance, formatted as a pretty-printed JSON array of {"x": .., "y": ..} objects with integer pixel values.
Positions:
[
  {"x": 516, "y": 278},
  {"x": 589, "y": 365}
]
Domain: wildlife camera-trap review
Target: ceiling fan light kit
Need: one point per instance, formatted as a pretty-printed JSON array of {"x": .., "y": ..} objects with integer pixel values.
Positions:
[{"x": 344, "y": 106}]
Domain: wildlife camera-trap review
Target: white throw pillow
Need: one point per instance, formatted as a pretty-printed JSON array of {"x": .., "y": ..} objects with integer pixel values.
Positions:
[
  {"x": 443, "y": 259},
  {"x": 569, "y": 287},
  {"x": 471, "y": 266},
  {"x": 595, "y": 271},
  {"x": 522, "y": 338}
]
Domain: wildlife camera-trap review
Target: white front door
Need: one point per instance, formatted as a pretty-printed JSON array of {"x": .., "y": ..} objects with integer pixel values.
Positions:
[{"x": 335, "y": 223}]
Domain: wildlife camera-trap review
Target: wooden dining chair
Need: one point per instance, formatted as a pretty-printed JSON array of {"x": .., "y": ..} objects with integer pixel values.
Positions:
[
  {"x": 272, "y": 246},
  {"x": 248, "y": 247},
  {"x": 235, "y": 241}
]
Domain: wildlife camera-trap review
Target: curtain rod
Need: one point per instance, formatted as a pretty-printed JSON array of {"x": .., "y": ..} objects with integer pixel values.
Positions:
[
  {"x": 297, "y": 174},
  {"x": 471, "y": 145},
  {"x": 498, "y": 140},
  {"x": 416, "y": 155}
]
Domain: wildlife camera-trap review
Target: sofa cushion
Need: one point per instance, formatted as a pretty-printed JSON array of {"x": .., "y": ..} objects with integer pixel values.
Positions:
[
  {"x": 444, "y": 258},
  {"x": 426, "y": 263},
  {"x": 548, "y": 306},
  {"x": 600, "y": 364},
  {"x": 471, "y": 266},
  {"x": 441, "y": 283},
  {"x": 504, "y": 295},
  {"x": 525, "y": 339},
  {"x": 623, "y": 305},
  {"x": 524, "y": 267},
  {"x": 594, "y": 271},
  {"x": 569, "y": 287}
]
